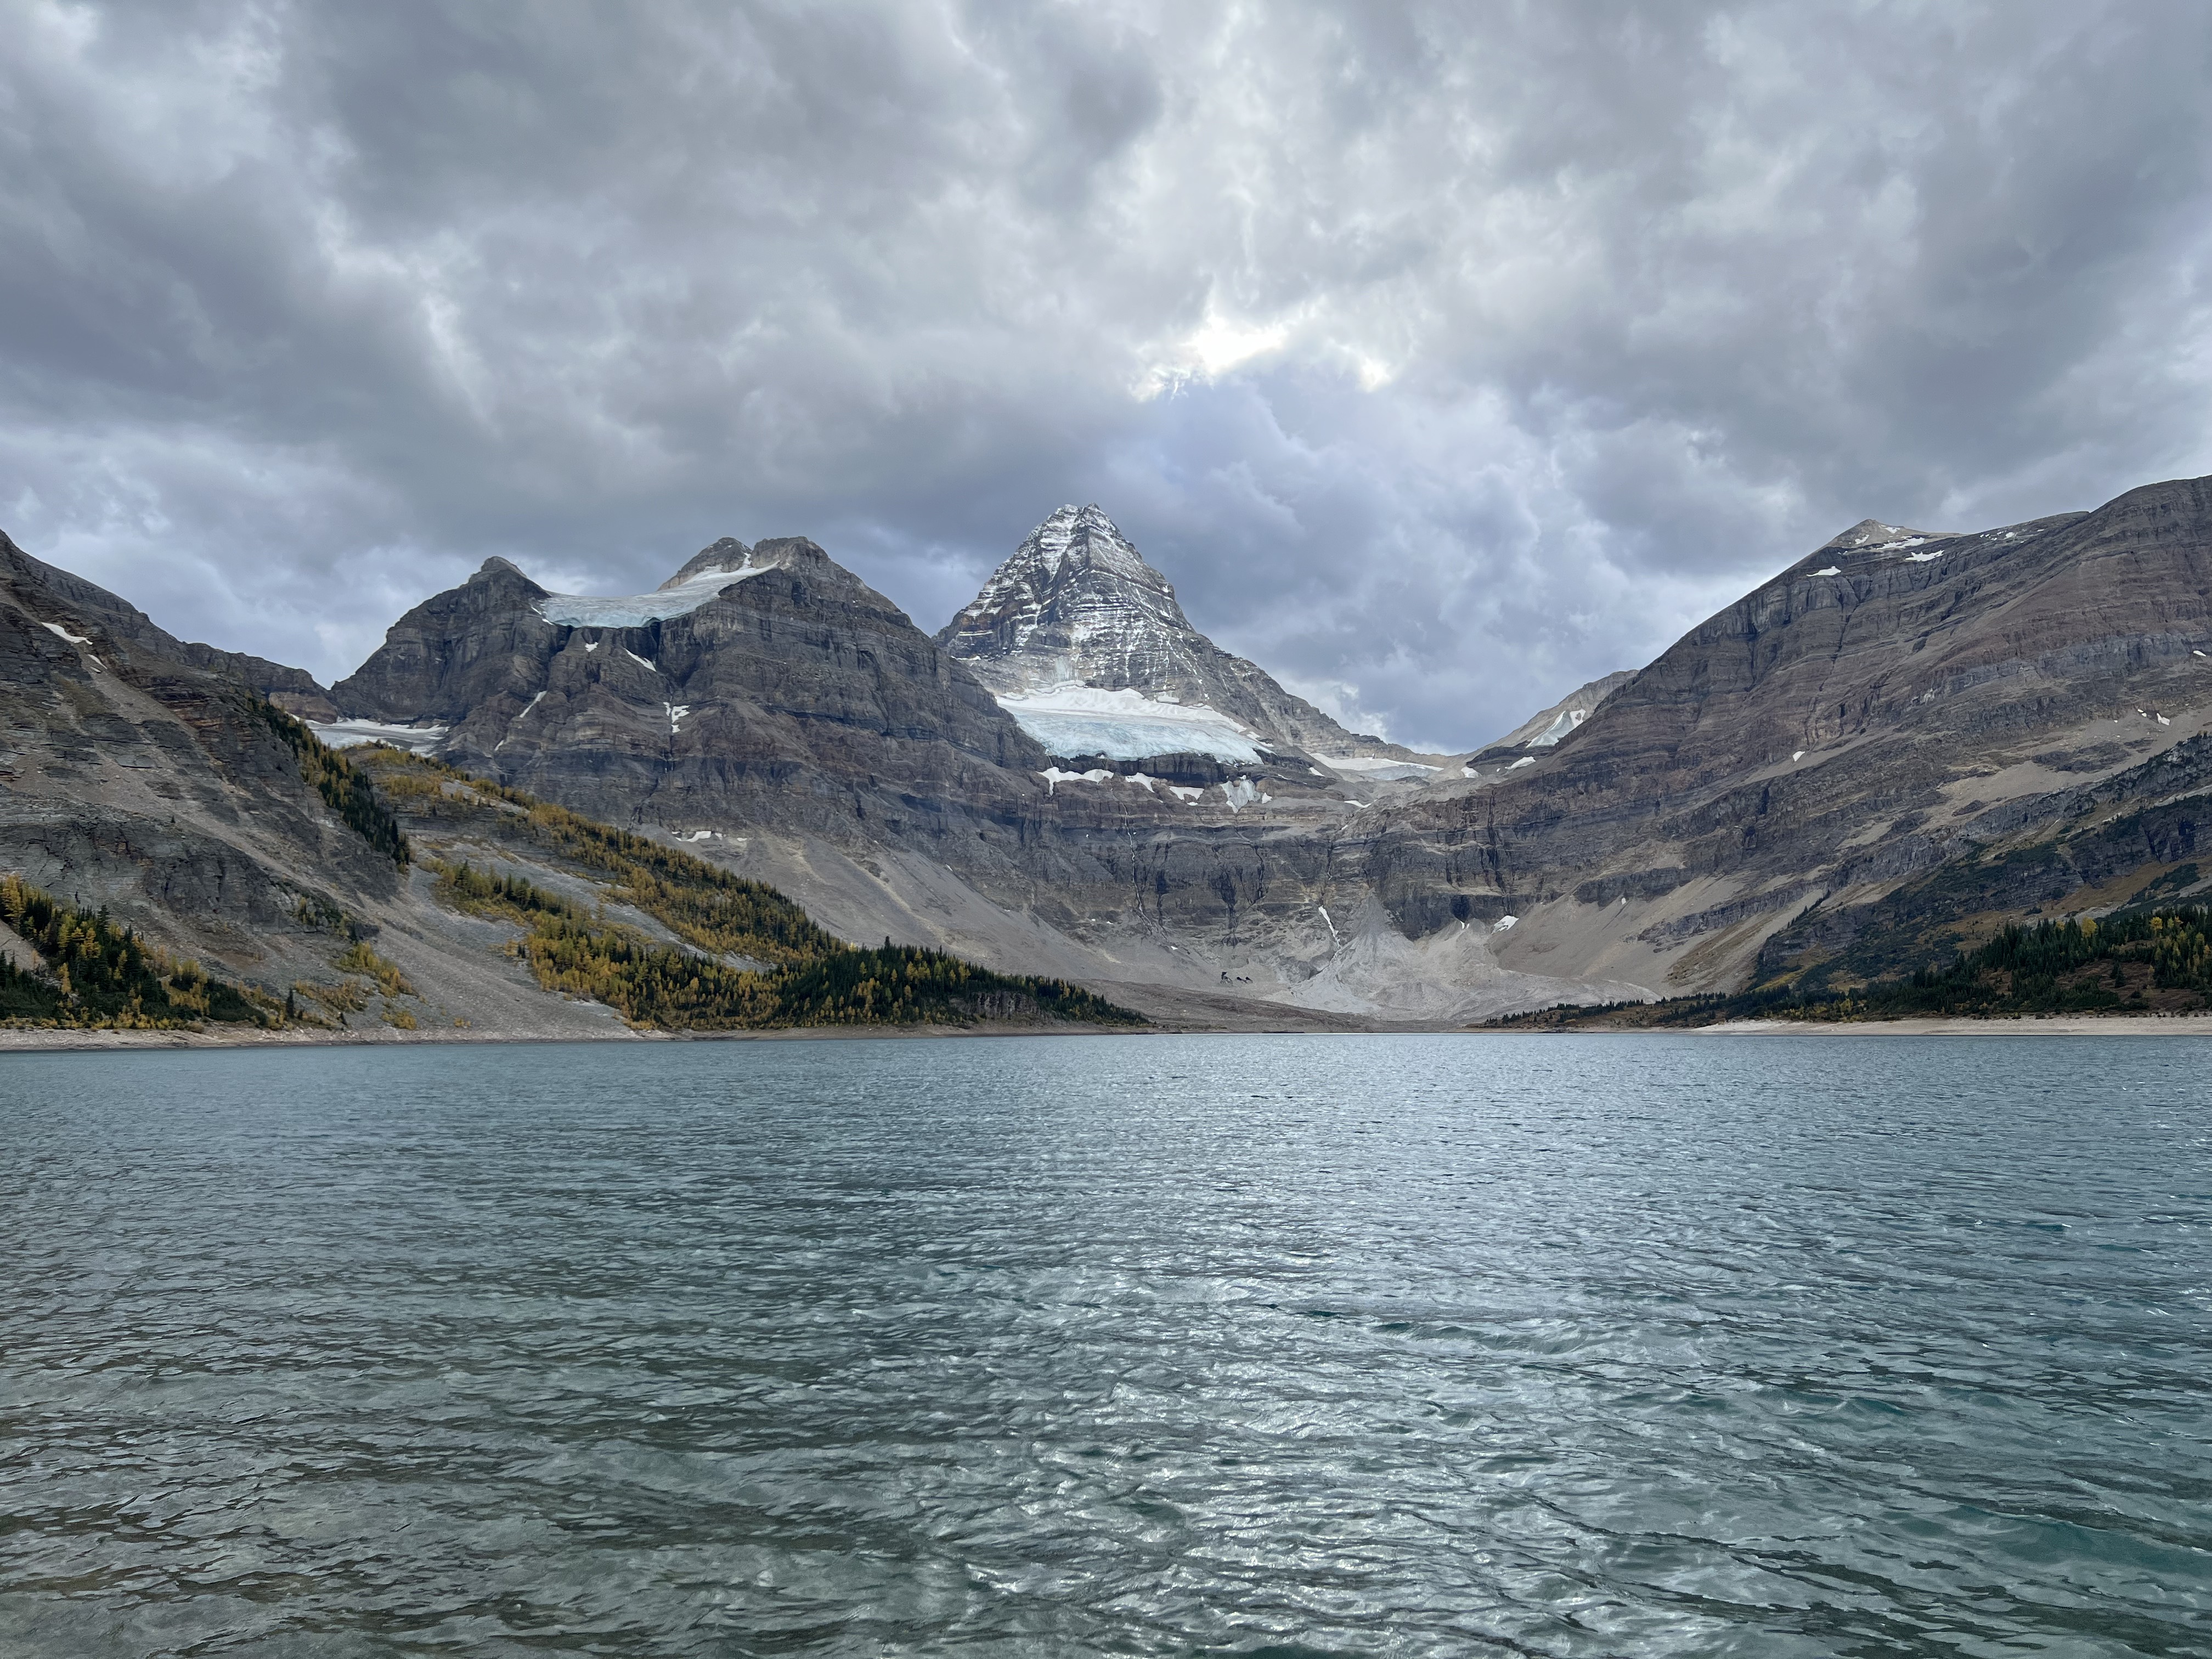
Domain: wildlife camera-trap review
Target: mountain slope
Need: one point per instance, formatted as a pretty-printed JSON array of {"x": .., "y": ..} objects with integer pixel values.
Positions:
[
  {"x": 1891, "y": 703},
  {"x": 764, "y": 686},
  {"x": 1077, "y": 609},
  {"x": 145, "y": 784},
  {"x": 135, "y": 773}
]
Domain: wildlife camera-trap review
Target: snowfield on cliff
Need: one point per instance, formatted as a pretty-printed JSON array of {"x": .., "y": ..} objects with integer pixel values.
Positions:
[{"x": 1127, "y": 724}]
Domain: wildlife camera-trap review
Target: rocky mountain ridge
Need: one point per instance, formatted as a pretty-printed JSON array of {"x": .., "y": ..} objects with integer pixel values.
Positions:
[
  {"x": 1903, "y": 737},
  {"x": 1890, "y": 704}
]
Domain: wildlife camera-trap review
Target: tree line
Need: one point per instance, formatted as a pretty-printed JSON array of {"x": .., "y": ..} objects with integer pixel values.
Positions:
[
  {"x": 345, "y": 789},
  {"x": 584, "y": 955},
  {"x": 99, "y": 974},
  {"x": 2084, "y": 965}
]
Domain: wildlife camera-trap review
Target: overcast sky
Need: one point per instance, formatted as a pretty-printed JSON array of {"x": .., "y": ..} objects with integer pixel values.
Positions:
[{"x": 1443, "y": 356}]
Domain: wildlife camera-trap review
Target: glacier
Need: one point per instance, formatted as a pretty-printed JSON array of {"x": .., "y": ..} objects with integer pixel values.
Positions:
[
  {"x": 1126, "y": 724},
  {"x": 636, "y": 609},
  {"x": 1377, "y": 768},
  {"x": 344, "y": 734}
]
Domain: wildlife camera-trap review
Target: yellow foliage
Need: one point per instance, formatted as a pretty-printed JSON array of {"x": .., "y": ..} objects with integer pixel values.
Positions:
[{"x": 359, "y": 959}]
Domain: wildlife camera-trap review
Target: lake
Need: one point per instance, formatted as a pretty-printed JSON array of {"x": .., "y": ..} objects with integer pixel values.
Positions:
[{"x": 1251, "y": 1345}]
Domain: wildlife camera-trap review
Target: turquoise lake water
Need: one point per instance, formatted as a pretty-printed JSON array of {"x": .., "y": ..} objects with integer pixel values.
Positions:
[{"x": 1288, "y": 1345}]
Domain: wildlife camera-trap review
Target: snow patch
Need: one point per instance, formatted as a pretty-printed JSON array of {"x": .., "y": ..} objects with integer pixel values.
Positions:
[
  {"x": 1502, "y": 924},
  {"x": 1242, "y": 794},
  {"x": 1832, "y": 570},
  {"x": 1567, "y": 721},
  {"x": 345, "y": 734},
  {"x": 74, "y": 639},
  {"x": 639, "y": 660},
  {"x": 531, "y": 704},
  {"x": 701, "y": 835},
  {"x": 1797, "y": 753},
  {"x": 1334, "y": 937},
  {"x": 1921, "y": 558},
  {"x": 1525, "y": 760},
  {"x": 590, "y": 646},
  {"x": 677, "y": 711},
  {"x": 636, "y": 609},
  {"x": 1184, "y": 792},
  {"x": 1378, "y": 767},
  {"x": 1126, "y": 724},
  {"x": 1053, "y": 777}
]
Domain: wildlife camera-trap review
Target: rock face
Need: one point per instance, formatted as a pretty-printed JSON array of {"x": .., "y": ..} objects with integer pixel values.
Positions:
[
  {"x": 1891, "y": 704},
  {"x": 136, "y": 773},
  {"x": 764, "y": 686},
  {"x": 1077, "y": 607}
]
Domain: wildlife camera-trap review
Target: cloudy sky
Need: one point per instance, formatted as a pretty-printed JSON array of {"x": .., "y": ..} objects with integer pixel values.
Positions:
[{"x": 1443, "y": 356}]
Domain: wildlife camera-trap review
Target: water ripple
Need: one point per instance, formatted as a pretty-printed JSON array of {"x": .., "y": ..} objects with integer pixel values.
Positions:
[{"x": 1290, "y": 1345}]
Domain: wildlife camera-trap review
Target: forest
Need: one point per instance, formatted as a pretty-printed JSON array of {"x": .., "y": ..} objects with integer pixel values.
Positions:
[{"x": 99, "y": 975}]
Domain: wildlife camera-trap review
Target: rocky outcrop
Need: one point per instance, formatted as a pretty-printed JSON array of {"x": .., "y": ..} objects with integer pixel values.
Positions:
[{"x": 136, "y": 773}]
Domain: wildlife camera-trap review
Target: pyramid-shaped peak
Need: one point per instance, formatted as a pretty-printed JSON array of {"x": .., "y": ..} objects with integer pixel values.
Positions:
[{"x": 1074, "y": 539}]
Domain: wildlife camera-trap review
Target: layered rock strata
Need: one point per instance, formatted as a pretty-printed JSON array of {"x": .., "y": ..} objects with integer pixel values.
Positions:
[{"x": 1890, "y": 704}]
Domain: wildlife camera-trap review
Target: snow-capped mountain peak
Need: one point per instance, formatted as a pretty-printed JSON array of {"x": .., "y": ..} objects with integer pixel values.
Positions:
[{"x": 1077, "y": 608}]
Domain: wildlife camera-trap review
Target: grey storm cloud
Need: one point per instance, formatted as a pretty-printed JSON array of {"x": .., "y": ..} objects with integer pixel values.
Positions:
[{"x": 1444, "y": 357}]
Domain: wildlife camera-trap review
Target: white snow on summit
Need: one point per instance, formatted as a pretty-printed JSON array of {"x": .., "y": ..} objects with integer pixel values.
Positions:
[{"x": 636, "y": 609}]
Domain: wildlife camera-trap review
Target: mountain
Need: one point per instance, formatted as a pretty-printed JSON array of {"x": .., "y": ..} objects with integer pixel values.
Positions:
[
  {"x": 1902, "y": 742},
  {"x": 1899, "y": 707},
  {"x": 136, "y": 772},
  {"x": 144, "y": 780},
  {"x": 762, "y": 685},
  {"x": 275, "y": 887},
  {"x": 767, "y": 709},
  {"x": 776, "y": 714},
  {"x": 1085, "y": 644}
]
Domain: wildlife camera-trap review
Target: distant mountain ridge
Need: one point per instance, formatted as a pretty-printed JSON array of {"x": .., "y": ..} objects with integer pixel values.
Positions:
[{"x": 1546, "y": 727}]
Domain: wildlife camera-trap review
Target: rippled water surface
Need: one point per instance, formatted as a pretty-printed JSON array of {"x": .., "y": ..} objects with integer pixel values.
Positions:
[{"x": 1250, "y": 1345}]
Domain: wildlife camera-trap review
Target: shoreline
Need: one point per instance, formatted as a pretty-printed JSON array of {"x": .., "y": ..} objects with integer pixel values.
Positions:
[
  {"x": 2027, "y": 1025},
  {"x": 23, "y": 1040},
  {"x": 33, "y": 1040}
]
